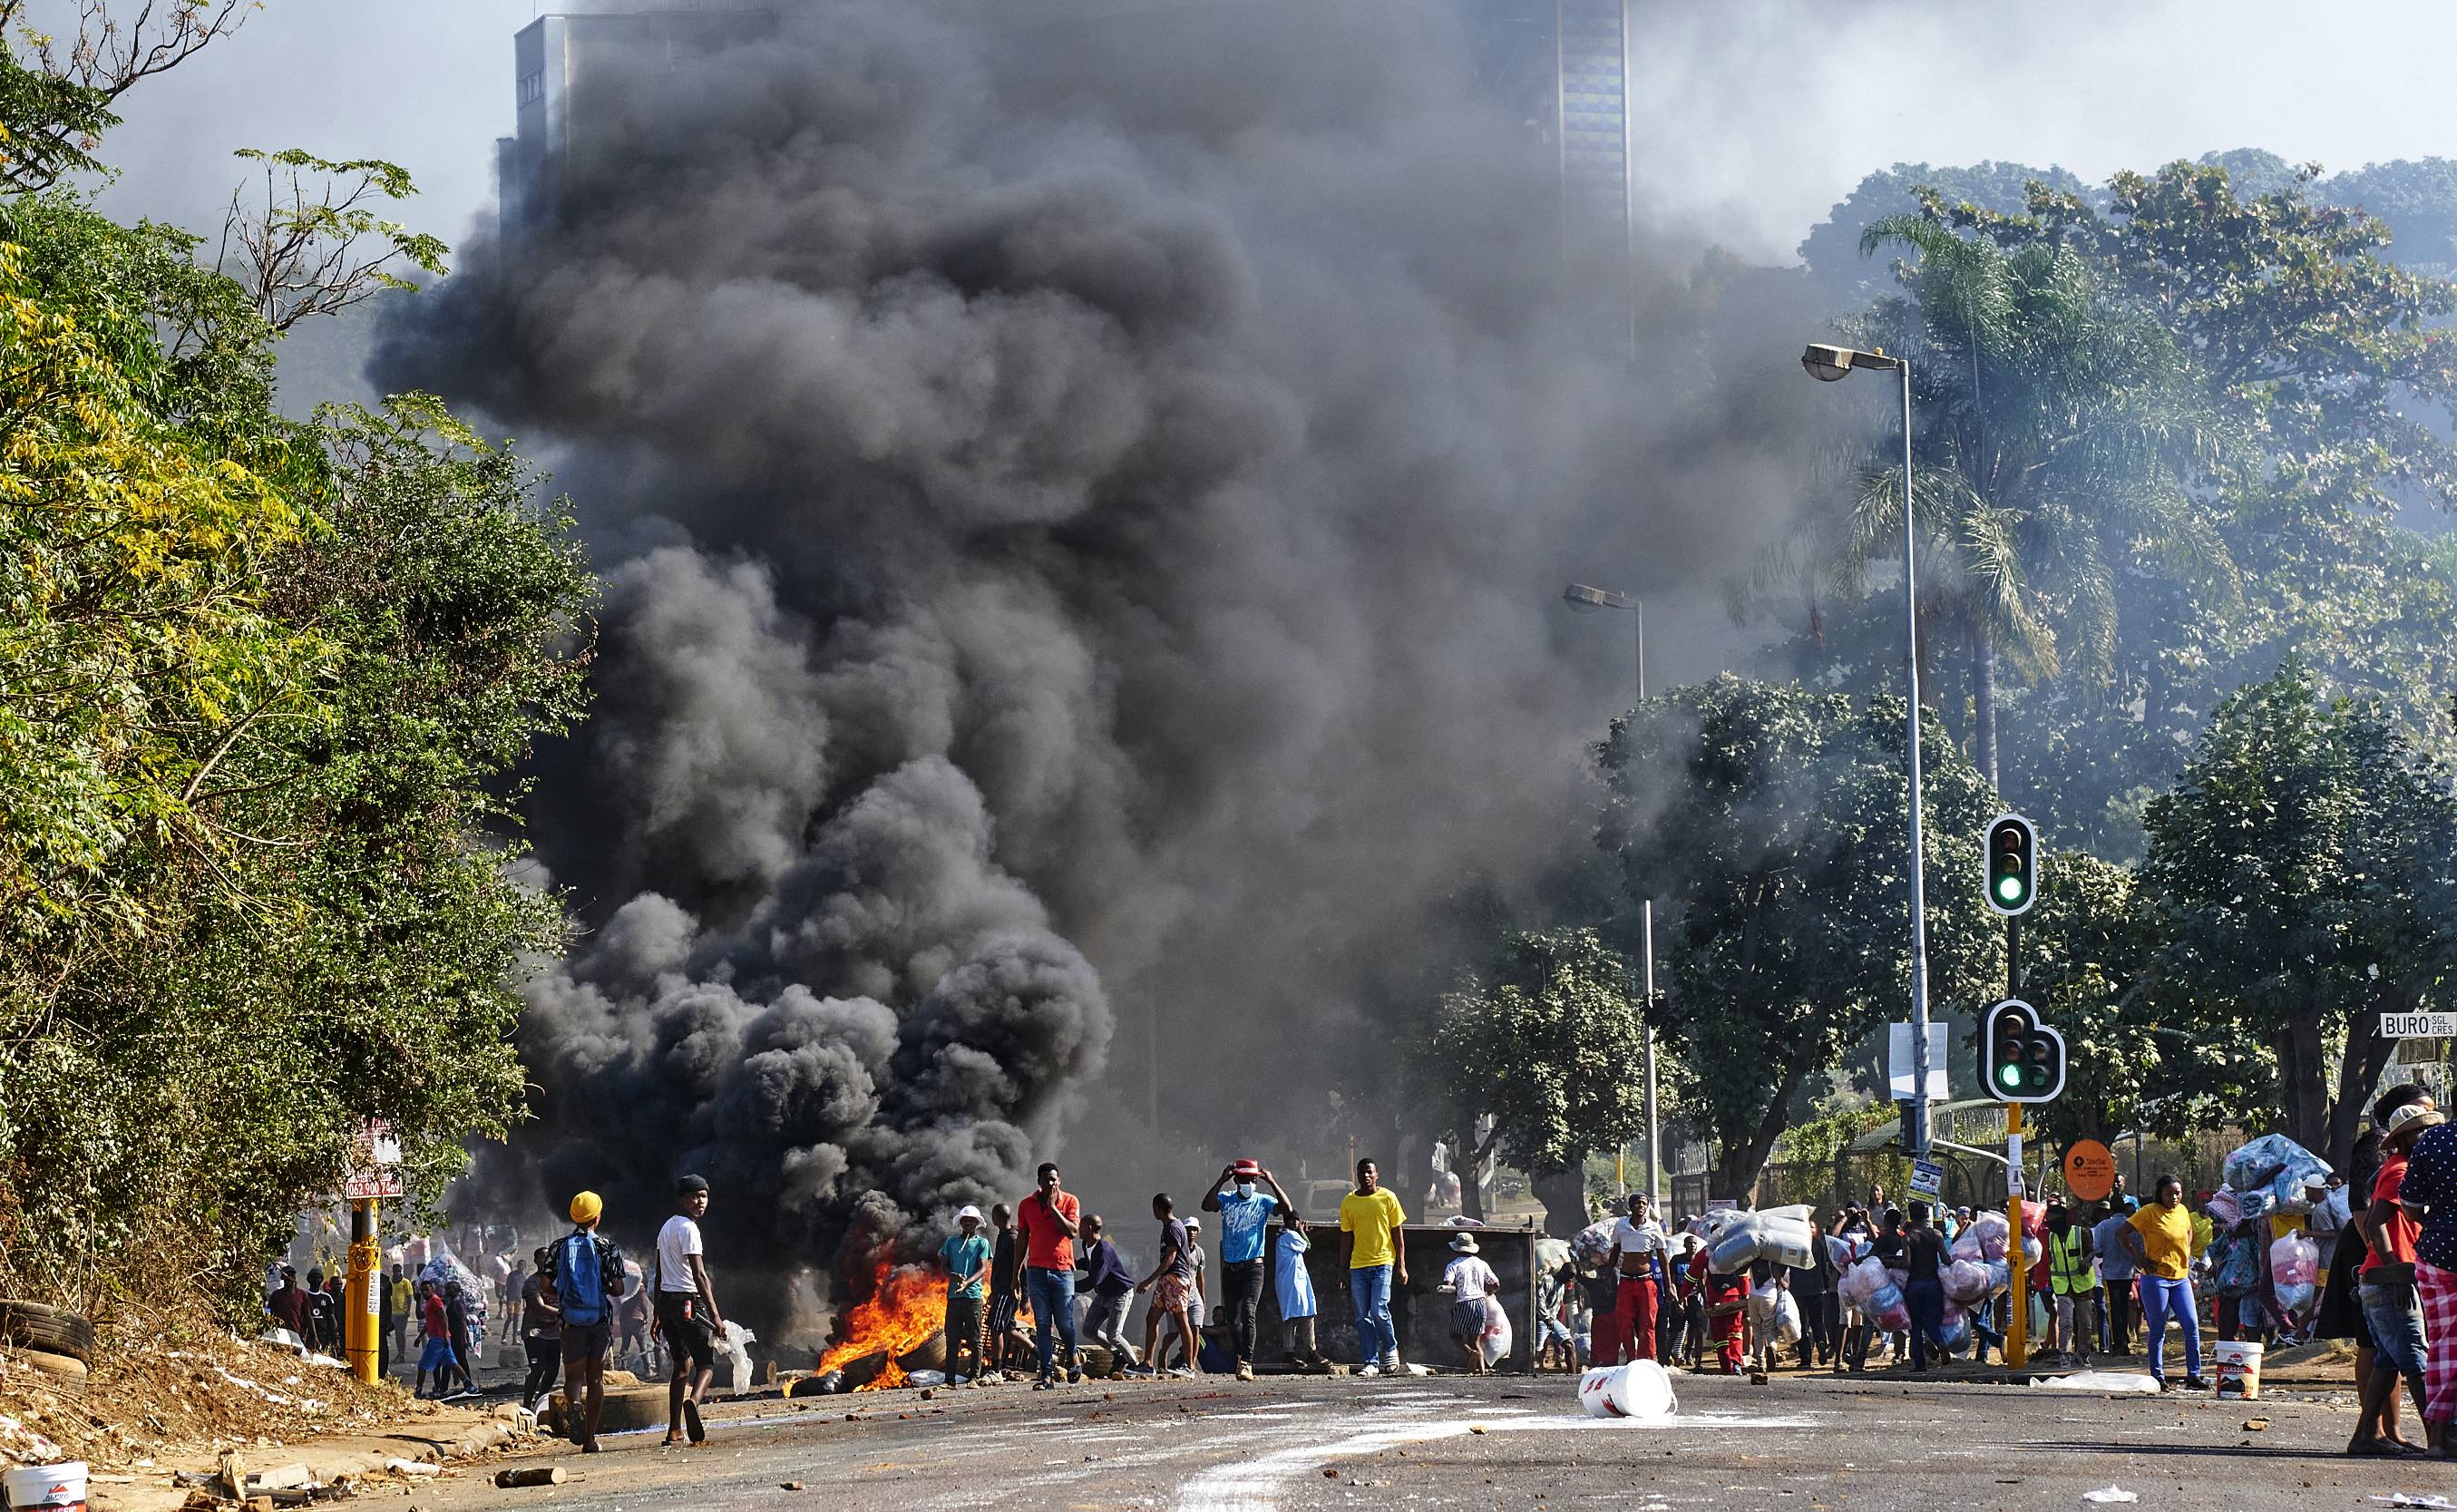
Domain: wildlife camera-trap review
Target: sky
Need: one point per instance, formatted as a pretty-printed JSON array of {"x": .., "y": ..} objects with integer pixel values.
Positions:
[{"x": 1754, "y": 116}]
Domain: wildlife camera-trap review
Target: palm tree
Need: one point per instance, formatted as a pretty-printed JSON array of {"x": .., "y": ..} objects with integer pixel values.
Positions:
[{"x": 2058, "y": 430}]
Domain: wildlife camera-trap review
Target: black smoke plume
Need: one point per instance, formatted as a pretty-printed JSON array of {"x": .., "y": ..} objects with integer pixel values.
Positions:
[{"x": 1085, "y": 509}]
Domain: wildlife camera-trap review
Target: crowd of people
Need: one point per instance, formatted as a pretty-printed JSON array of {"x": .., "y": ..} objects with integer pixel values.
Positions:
[
  {"x": 1045, "y": 1263},
  {"x": 1029, "y": 1283}
]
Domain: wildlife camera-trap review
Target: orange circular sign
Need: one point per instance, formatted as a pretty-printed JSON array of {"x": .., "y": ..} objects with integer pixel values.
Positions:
[{"x": 2090, "y": 1171}]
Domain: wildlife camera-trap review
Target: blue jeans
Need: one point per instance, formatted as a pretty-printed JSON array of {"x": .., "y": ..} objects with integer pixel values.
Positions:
[
  {"x": 2161, "y": 1299},
  {"x": 2394, "y": 1314},
  {"x": 1052, "y": 1296},
  {"x": 1923, "y": 1298},
  {"x": 1369, "y": 1287}
]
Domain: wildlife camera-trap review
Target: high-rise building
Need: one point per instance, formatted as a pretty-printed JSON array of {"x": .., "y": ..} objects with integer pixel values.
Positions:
[{"x": 1562, "y": 67}]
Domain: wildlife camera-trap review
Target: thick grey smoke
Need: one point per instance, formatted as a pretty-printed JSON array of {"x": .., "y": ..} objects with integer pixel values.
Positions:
[{"x": 1087, "y": 508}]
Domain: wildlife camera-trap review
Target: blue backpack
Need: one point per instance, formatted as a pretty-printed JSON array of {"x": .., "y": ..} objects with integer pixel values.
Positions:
[{"x": 580, "y": 1280}]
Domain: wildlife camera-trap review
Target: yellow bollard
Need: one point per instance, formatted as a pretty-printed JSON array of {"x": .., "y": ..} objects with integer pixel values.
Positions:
[{"x": 363, "y": 1325}]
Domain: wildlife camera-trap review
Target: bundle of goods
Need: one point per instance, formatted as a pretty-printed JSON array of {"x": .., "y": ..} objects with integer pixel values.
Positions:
[
  {"x": 1735, "y": 1238},
  {"x": 1967, "y": 1281},
  {"x": 1872, "y": 1289},
  {"x": 2274, "y": 1168},
  {"x": 1593, "y": 1245},
  {"x": 1848, "y": 1250},
  {"x": 1984, "y": 1235}
]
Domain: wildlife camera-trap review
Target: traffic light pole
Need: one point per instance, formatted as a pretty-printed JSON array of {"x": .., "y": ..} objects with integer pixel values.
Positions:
[{"x": 2017, "y": 1332}]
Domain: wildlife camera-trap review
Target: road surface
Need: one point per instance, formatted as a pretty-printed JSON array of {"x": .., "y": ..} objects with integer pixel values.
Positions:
[{"x": 1817, "y": 1443}]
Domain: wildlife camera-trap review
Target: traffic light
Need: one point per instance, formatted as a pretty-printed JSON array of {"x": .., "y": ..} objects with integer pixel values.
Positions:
[
  {"x": 2012, "y": 857},
  {"x": 2022, "y": 1058}
]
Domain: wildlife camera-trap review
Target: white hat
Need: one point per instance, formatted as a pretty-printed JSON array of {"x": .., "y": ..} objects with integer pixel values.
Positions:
[
  {"x": 1194, "y": 1224},
  {"x": 1464, "y": 1244},
  {"x": 2409, "y": 1116},
  {"x": 968, "y": 1210}
]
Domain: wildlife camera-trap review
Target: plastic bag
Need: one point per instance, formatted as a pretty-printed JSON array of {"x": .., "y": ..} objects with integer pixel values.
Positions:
[
  {"x": 1989, "y": 1230},
  {"x": 1966, "y": 1244},
  {"x": 2282, "y": 1167},
  {"x": 2296, "y": 1298},
  {"x": 2294, "y": 1260},
  {"x": 1593, "y": 1245},
  {"x": 1846, "y": 1250},
  {"x": 1966, "y": 1281},
  {"x": 1862, "y": 1282},
  {"x": 1955, "y": 1333},
  {"x": 1736, "y": 1238},
  {"x": 1889, "y": 1311},
  {"x": 1786, "y": 1319}
]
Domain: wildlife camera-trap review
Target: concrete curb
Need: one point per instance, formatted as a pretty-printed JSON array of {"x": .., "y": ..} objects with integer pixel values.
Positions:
[{"x": 445, "y": 1437}]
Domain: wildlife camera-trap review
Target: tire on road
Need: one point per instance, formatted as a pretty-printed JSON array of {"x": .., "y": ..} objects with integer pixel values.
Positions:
[
  {"x": 623, "y": 1410},
  {"x": 62, "y": 1373},
  {"x": 52, "y": 1330}
]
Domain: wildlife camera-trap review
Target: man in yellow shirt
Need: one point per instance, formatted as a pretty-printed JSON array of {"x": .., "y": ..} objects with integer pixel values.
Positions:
[
  {"x": 1369, "y": 1231},
  {"x": 2160, "y": 1240}
]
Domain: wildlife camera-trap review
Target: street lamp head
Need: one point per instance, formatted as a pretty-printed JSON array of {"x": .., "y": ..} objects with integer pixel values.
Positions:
[
  {"x": 1587, "y": 600},
  {"x": 1827, "y": 363}
]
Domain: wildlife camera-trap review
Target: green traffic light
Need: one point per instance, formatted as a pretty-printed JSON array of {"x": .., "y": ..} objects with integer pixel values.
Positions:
[
  {"x": 2011, "y": 1076},
  {"x": 2008, "y": 888}
]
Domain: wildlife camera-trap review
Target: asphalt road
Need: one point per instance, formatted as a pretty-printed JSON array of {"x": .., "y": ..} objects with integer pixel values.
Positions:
[{"x": 1309, "y": 1444}]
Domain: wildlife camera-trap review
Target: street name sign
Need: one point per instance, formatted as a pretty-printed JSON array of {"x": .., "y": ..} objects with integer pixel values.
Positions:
[{"x": 2418, "y": 1025}]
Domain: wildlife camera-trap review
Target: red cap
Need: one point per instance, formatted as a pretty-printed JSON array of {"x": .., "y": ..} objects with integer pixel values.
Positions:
[{"x": 1246, "y": 1167}]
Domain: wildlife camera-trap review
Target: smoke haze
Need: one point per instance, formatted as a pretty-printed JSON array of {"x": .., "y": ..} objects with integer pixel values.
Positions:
[{"x": 1083, "y": 520}]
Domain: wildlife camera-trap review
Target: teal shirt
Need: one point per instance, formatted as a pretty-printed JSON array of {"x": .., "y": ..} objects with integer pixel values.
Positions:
[{"x": 964, "y": 1257}]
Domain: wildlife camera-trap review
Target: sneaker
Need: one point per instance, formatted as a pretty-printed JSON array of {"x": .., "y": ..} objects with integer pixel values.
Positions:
[
  {"x": 2196, "y": 1383},
  {"x": 1369, "y": 1369},
  {"x": 1183, "y": 1373},
  {"x": 1244, "y": 1372},
  {"x": 1391, "y": 1362}
]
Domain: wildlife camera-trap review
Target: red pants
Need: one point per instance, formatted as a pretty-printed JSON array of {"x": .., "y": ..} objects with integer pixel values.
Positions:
[
  {"x": 1724, "y": 1332},
  {"x": 1633, "y": 1330}
]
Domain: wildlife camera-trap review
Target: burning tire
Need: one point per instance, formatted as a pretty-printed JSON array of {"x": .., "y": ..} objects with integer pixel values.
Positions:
[{"x": 34, "y": 1326}]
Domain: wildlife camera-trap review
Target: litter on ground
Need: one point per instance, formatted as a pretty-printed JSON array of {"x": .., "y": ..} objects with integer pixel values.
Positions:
[
  {"x": 2113, "y": 1493},
  {"x": 2118, "y": 1381}
]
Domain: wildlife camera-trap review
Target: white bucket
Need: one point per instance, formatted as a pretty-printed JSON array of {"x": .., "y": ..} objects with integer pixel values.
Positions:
[
  {"x": 2237, "y": 1366},
  {"x": 53, "y": 1487},
  {"x": 1639, "y": 1389}
]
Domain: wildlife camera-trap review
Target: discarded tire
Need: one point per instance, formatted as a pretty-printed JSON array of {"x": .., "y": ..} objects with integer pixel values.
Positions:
[
  {"x": 621, "y": 1411},
  {"x": 61, "y": 1372},
  {"x": 34, "y": 1326}
]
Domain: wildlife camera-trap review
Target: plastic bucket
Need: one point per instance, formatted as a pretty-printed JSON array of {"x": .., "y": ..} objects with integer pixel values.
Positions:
[
  {"x": 2237, "y": 1366},
  {"x": 48, "y": 1486},
  {"x": 1639, "y": 1389}
]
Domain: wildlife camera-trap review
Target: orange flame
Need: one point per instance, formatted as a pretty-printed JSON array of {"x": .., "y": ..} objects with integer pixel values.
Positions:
[{"x": 906, "y": 1305}]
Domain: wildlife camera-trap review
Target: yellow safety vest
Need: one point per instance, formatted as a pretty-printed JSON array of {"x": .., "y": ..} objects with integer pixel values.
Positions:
[{"x": 2068, "y": 1272}]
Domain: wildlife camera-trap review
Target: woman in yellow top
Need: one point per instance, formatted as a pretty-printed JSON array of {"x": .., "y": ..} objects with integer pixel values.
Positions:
[{"x": 2160, "y": 1240}]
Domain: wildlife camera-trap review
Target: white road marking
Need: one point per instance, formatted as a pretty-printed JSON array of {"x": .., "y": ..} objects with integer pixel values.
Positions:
[{"x": 1255, "y": 1485}]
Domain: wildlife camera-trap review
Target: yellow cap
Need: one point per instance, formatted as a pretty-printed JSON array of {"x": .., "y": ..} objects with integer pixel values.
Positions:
[{"x": 585, "y": 1207}]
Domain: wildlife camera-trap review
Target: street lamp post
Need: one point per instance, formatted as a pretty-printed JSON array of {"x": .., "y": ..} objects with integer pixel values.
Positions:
[
  {"x": 1585, "y": 599},
  {"x": 1829, "y": 364}
]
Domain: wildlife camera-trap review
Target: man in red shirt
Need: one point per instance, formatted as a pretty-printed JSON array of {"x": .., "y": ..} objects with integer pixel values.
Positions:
[
  {"x": 2392, "y": 1311},
  {"x": 1048, "y": 1221}
]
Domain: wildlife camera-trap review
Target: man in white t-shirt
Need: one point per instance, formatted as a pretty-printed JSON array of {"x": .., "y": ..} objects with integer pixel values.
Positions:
[
  {"x": 1640, "y": 1248},
  {"x": 686, "y": 1314}
]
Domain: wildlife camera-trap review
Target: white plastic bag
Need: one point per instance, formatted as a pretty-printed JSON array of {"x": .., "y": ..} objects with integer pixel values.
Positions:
[{"x": 1786, "y": 1319}]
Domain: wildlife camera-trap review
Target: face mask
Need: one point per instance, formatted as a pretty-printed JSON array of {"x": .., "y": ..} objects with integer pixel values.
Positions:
[{"x": 1244, "y": 1189}]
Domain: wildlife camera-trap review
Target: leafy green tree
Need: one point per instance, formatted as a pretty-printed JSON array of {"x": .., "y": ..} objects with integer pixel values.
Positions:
[
  {"x": 1543, "y": 1051},
  {"x": 2055, "y": 429},
  {"x": 265, "y": 687},
  {"x": 1769, "y": 822},
  {"x": 2300, "y": 878}
]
